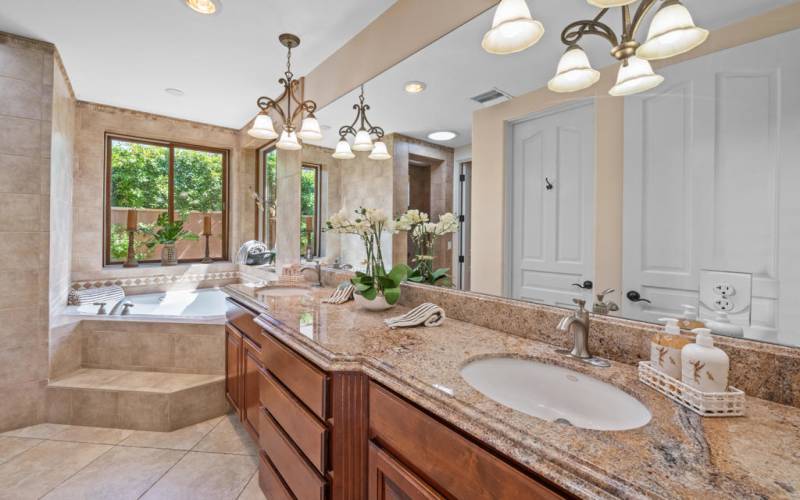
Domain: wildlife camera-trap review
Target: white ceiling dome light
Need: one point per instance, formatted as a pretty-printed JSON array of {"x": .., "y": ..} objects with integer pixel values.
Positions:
[
  {"x": 574, "y": 72},
  {"x": 415, "y": 87},
  {"x": 604, "y": 4},
  {"x": 635, "y": 75},
  {"x": 671, "y": 33},
  {"x": 442, "y": 136},
  {"x": 207, "y": 7},
  {"x": 513, "y": 29}
]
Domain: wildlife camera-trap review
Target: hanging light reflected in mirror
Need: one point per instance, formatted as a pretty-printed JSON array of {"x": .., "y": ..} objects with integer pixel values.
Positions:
[
  {"x": 671, "y": 33},
  {"x": 574, "y": 72},
  {"x": 634, "y": 77},
  {"x": 513, "y": 29}
]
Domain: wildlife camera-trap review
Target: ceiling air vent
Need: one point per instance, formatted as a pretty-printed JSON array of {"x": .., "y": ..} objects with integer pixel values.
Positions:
[{"x": 492, "y": 97}]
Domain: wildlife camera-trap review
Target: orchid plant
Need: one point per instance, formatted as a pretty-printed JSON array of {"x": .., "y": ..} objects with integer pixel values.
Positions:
[
  {"x": 423, "y": 235},
  {"x": 370, "y": 224}
]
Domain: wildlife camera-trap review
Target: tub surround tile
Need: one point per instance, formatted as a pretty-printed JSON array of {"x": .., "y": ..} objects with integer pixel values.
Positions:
[
  {"x": 685, "y": 455},
  {"x": 121, "y": 473}
]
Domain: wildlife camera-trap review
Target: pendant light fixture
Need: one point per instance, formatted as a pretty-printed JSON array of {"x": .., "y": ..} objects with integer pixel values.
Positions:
[
  {"x": 363, "y": 136},
  {"x": 289, "y": 138},
  {"x": 574, "y": 72},
  {"x": 513, "y": 29},
  {"x": 672, "y": 32}
]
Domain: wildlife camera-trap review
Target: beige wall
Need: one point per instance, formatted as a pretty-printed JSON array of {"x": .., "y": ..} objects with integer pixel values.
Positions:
[
  {"x": 36, "y": 151},
  {"x": 489, "y": 136},
  {"x": 94, "y": 121}
]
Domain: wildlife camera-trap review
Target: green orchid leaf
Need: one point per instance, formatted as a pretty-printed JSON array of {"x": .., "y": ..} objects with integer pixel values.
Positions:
[
  {"x": 370, "y": 294},
  {"x": 392, "y": 295},
  {"x": 399, "y": 273}
]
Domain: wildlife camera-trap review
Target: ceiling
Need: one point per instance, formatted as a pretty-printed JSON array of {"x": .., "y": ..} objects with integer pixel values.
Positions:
[
  {"x": 455, "y": 69},
  {"x": 126, "y": 52}
]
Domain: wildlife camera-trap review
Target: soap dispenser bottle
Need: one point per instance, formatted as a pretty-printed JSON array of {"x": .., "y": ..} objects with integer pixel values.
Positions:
[
  {"x": 665, "y": 349},
  {"x": 705, "y": 367},
  {"x": 689, "y": 319}
]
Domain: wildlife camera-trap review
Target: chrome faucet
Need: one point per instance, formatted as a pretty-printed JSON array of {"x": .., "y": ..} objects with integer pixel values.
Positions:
[
  {"x": 602, "y": 307},
  {"x": 579, "y": 323},
  {"x": 126, "y": 306},
  {"x": 316, "y": 267}
]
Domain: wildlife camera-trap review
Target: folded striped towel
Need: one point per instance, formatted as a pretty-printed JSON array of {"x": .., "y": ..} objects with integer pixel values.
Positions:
[
  {"x": 423, "y": 315},
  {"x": 342, "y": 294},
  {"x": 108, "y": 294}
]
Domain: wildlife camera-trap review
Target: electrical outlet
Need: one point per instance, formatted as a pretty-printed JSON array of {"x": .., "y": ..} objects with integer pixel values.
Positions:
[
  {"x": 724, "y": 289},
  {"x": 723, "y": 304}
]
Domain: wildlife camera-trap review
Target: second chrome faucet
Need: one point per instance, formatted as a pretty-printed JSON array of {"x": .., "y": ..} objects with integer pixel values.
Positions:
[{"x": 578, "y": 323}]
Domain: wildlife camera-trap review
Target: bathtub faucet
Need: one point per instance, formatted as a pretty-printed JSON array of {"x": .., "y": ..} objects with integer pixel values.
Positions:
[
  {"x": 102, "y": 307},
  {"x": 126, "y": 306}
]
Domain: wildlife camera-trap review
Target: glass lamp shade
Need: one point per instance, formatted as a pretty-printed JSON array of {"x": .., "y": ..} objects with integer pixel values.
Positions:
[
  {"x": 363, "y": 141},
  {"x": 310, "y": 130},
  {"x": 513, "y": 29},
  {"x": 671, "y": 33},
  {"x": 263, "y": 128},
  {"x": 574, "y": 72},
  {"x": 343, "y": 151},
  {"x": 637, "y": 76},
  {"x": 604, "y": 4},
  {"x": 379, "y": 152},
  {"x": 288, "y": 142}
]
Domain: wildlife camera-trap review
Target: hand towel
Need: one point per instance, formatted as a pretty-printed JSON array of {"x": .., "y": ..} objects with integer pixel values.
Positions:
[
  {"x": 108, "y": 294},
  {"x": 341, "y": 295},
  {"x": 423, "y": 315}
]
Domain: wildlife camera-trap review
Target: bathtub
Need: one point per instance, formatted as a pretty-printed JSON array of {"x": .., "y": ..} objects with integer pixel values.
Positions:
[{"x": 206, "y": 305}]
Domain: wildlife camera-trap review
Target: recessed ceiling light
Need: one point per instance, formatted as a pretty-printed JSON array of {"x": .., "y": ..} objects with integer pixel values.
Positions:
[
  {"x": 441, "y": 136},
  {"x": 174, "y": 91},
  {"x": 204, "y": 6},
  {"x": 415, "y": 87}
]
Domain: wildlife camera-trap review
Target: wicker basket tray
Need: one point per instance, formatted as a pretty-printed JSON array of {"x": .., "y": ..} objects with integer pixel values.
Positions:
[{"x": 707, "y": 404}]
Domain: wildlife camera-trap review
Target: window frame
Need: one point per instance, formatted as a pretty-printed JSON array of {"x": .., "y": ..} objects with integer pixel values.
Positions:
[
  {"x": 317, "y": 203},
  {"x": 171, "y": 145}
]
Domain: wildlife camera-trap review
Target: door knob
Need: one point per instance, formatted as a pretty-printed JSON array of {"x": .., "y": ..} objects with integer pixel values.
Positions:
[
  {"x": 634, "y": 296},
  {"x": 587, "y": 285}
]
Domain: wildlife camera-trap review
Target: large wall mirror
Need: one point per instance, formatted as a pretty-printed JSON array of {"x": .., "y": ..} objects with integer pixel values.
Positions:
[{"x": 680, "y": 201}]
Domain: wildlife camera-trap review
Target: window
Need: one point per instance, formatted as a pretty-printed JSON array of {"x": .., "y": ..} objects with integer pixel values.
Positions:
[
  {"x": 151, "y": 177},
  {"x": 267, "y": 203}
]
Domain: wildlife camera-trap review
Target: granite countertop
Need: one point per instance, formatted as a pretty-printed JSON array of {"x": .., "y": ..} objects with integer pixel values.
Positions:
[{"x": 677, "y": 455}]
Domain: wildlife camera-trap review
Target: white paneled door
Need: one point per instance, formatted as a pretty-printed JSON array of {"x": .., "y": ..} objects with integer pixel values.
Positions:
[
  {"x": 552, "y": 202},
  {"x": 712, "y": 176}
]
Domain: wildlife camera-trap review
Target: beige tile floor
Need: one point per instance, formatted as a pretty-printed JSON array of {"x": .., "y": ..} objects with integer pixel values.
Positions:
[{"x": 214, "y": 460}]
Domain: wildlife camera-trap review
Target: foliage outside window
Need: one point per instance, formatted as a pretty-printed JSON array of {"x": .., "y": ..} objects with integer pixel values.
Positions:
[
  {"x": 309, "y": 209},
  {"x": 155, "y": 178}
]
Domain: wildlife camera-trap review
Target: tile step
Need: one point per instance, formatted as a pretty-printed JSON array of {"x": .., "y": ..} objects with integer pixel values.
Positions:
[{"x": 151, "y": 401}]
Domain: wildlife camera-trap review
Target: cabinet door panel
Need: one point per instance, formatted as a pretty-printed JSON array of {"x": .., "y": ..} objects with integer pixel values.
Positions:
[
  {"x": 390, "y": 480},
  {"x": 251, "y": 372},
  {"x": 233, "y": 362}
]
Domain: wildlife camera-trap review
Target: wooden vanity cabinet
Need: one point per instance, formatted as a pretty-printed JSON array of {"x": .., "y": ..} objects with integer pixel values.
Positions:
[
  {"x": 339, "y": 435},
  {"x": 243, "y": 364},
  {"x": 233, "y": 367}
]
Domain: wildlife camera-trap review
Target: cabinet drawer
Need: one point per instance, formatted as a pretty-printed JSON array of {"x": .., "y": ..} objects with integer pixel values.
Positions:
[
  {"x": 307, "y": 382},
  {"x": 450, "y": 461},
  {"x": 388, "y": 478},
  {"x": 243, "y": 319},
  {"x": 271, "y": 483},
  {"x": 302, "y": 478},
  {"x": 307, "y": 432}
]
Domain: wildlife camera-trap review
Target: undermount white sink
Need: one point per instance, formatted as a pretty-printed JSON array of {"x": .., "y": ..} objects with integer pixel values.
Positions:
[
  {"x": 556, "y": 394},
  {"x": 283, "y": 291}
]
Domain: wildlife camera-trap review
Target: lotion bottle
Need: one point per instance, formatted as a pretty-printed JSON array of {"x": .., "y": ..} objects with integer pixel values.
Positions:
[
  {"x": 665, "y": 349},
  {"x": 705, "y": 367}
]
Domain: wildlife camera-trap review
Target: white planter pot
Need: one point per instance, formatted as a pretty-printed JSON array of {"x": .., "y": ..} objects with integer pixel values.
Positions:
[{"x": 379, "y": 304}]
